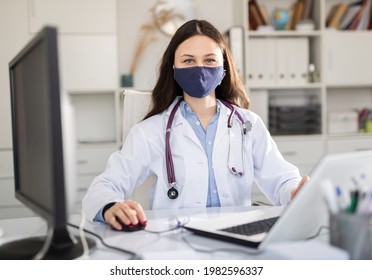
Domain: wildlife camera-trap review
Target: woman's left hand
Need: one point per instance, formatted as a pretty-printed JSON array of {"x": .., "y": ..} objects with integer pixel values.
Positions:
[{"x": 302, "y": 182}]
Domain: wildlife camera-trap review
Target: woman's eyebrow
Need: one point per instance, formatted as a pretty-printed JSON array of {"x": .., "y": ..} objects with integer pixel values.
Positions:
[
  {"x": 211, "y": 54},
  {"x": 206, "y": 55},
  {"x": 188, "y": 55}
]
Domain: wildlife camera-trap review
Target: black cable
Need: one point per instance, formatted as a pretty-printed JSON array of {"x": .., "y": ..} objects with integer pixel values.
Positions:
[
  {"x": 318, "y": 232},
  {"x": 162, "y": 231},
  {"x": 246, "y": 251},
  {"x": 134, "y": 256},
  {"x": 210, "y": 251},
  {"x": 178, "y": 224}
]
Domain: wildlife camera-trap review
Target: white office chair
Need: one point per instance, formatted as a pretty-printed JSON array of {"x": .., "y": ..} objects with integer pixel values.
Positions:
[{"x": 135, "y": 106}]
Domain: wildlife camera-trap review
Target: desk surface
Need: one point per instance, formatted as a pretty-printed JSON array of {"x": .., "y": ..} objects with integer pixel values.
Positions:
[{"x": 174, "y": 244}]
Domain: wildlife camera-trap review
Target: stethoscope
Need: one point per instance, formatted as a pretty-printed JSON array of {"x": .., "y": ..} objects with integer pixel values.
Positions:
[{"x": 234, "y": 169}]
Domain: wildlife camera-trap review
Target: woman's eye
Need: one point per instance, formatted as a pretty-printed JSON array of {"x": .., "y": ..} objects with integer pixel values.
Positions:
[
  {"x": 210, "y": 60},
  {"x": 188, "y": 61}
]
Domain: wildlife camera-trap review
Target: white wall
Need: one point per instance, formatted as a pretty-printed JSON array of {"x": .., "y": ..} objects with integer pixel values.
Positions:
[
  {"x": 13, "y": 34},
  {"x": 133, "y": 14}
]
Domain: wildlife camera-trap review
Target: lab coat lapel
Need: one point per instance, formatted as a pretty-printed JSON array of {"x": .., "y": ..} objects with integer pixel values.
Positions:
[
  {"x": 221, "y": 132},
  {"x": 187, "y": 130},
  {"x": 181, "y": 124}
]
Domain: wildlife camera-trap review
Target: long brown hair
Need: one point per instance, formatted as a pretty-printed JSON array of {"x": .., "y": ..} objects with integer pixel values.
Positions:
[{"x": 166, "y": 89}]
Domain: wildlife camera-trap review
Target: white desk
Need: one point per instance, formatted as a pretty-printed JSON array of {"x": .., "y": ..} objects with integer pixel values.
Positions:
[{"x": 168, "y": 245}]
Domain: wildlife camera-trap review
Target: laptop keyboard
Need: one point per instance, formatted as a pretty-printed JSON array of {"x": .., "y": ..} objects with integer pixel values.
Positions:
[{"x": 252, "y": 228}]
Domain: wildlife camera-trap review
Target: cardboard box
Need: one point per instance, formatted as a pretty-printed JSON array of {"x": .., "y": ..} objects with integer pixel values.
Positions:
[{"x": 342, "y": 122}]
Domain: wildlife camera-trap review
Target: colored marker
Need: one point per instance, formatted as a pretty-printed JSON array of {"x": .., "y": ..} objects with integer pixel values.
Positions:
[
  {"x": 342, "y": 199},
  {"x": 354, "y": 201}
]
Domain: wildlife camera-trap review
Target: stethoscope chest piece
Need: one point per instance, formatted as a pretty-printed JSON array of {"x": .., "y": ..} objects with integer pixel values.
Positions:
[{"x": 172, "y": 193}]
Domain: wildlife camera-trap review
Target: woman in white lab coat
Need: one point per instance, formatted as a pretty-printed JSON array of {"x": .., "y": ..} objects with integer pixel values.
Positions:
[{"x": 216, "y": 147}]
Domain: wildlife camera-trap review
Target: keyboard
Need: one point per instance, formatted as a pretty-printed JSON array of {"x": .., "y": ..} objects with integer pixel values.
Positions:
[{"x": 252, "y": 228}]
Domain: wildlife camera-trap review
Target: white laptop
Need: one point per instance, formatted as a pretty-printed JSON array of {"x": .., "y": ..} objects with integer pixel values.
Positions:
[{"x": 303, "y": 216}]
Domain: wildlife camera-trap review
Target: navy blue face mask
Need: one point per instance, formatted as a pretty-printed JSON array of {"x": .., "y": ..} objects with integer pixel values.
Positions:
[{"x": 199, "y": 81}]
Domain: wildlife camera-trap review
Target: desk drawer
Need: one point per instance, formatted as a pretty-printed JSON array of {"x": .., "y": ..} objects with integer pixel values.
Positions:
[
  {"x": 302, "y": 151},
  {"x": 84, "y": 181},
  {"x": 76, "y": 207},
  {"x": 349, "y": 145},
  {"x": 93, "y": 160}
]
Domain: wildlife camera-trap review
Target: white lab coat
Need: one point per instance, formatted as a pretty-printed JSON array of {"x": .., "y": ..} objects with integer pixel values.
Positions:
[{"x": 142, "y": 155}]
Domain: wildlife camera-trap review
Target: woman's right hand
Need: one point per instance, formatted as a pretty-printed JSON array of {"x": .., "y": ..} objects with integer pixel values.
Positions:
[{"x": 125, "y": 212}]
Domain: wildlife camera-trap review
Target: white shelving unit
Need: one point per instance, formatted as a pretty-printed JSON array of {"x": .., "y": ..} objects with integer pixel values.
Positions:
[
  {"x": 98, "y": 124},
  {"x": 347, "y": 80},
  {"x": 343, "y": 62}
]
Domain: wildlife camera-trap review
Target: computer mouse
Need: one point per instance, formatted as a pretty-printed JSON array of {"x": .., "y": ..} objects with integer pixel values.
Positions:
[{"x": 131, "y": 227}]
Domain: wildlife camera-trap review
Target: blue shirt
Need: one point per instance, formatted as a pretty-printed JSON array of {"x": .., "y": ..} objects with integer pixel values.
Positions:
[{"x": 206, "y": 138}]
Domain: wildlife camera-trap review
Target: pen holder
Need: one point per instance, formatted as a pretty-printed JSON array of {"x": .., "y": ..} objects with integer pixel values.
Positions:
[{"x": 352, "y": 232}]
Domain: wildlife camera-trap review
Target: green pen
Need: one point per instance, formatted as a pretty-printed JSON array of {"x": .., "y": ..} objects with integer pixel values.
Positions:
[{"x": 354, "y": 202}]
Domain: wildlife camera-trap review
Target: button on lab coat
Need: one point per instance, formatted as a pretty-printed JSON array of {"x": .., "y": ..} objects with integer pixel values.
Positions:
[{"x": 143, "y": 155}]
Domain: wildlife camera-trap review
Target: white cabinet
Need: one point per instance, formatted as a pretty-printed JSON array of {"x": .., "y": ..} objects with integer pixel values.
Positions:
[
  {"x": 97, "y": 118},
  {"x": 71, "y": 16},
  {"x": 88, "y": 62},
  {"x": 83, "y": 182},
  {"x": 302, "y": 151},
  {"x": 98, "y": 122},
  {"x": 87, "y": 45},
  {"x": 349, "y": 144},
  {"x": 348, "y": 58},
  {"x": 87, "y": 41},
  {"x": 91, "y": 161}
]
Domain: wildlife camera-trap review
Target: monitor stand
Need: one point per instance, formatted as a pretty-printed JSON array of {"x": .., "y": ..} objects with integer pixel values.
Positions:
[{"x": 63, "y": 246}]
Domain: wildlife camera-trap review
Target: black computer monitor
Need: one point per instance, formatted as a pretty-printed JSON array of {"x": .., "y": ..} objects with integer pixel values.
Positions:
[{"x": 38, "y": 150}]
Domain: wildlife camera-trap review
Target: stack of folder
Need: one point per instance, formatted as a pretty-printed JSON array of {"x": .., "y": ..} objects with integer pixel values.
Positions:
[{"x": 278, "y": 61}]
